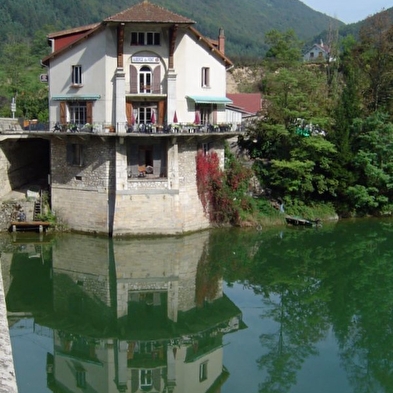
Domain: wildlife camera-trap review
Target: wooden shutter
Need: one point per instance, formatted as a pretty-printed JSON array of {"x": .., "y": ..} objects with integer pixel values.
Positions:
[
  {"x": 157, "y": 80},
  {"x": 133, "y": 80},
  {"x": 129, "y": 110},
  {"x": 157, "y": 379},
  {"x": 161, "y": 112},
  {"x": 63, "y": 112},
  {"x": 134, "y": 380},
  {"x": 89, "y": 112}
]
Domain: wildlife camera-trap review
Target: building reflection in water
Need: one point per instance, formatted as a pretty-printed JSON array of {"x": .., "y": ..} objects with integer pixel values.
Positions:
[{"x": 141, "y": 315}]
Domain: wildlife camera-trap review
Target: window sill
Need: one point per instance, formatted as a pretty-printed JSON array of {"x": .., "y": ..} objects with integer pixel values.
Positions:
[{"x": 76, "y": 85}]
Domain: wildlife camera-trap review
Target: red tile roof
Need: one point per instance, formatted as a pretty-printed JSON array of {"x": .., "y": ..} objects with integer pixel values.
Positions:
[
  {"x": 146, "y": 12},
  {"x": 74, "y": 30},
  {"x": 250, "y": 102}
]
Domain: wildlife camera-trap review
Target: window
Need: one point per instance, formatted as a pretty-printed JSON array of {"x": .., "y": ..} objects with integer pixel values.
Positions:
[
  {"x": 75, "y": 154},
  {"x": 145, "y": 379},
  {"x": 76, "y": 75},
  {"x": 206, "y": 148},
  {"x": 206, "y": 113},
  {"x": 78, "y": 112},
  {"x": 145, "y": 80},
  {"x": 205, "y": 77},
  {"x": 147, "y": 160},
  {"x": 81, "y": 378},
  {"x": 203, "y": 371},
  {"x": 144, "y": 114},
  {"x": 311, "y": 55},
  {"x": 145, "y": 38}
]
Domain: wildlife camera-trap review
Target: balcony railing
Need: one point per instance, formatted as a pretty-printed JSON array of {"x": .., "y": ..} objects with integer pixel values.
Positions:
[
  {"x": 125, "y": 128},
  {"x": 179, "y": 128}
]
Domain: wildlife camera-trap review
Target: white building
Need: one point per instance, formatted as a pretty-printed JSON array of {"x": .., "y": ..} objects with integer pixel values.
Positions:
[
  {"x": 138, "y": 94},
  {"x": 143, "y": 65}
]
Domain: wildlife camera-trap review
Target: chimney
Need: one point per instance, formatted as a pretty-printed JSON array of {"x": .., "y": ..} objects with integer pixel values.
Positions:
[{"x": 221, "y": 41}]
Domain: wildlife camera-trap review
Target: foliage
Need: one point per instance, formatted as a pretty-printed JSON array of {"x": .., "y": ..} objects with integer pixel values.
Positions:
[
  {"x": 223, "y": 194},
  {"x": 328, "y": 139}
]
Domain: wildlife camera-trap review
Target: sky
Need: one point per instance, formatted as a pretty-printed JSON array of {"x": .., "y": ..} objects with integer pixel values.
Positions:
[{"x": 349, "y": 11}]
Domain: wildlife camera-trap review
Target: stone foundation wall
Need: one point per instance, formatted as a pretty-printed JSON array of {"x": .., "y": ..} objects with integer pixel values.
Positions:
[
  {"x": 80, "y": 193},
  {"x": 98, "y": 197}
]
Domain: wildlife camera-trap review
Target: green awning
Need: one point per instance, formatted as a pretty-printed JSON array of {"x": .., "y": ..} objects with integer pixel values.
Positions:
[
  {"x": 76, "y": 97},
  {"x": 210, "y": 100}
]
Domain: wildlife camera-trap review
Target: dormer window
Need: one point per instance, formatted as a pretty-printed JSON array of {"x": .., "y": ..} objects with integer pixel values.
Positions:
[
  {"x": 76, "y": 76},
  {"x": 145, "y": 38}
]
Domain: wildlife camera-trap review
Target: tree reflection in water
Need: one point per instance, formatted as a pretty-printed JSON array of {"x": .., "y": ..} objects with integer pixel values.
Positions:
[{"x": 338, "y": 278}]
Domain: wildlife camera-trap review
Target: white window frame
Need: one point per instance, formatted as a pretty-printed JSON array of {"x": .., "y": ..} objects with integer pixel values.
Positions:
[
  {"x": 77, "y": 111},
  {"x": 145, "y": 80},
  {"x": 203, "y": 371},
  {"x": 145, "y": 378},
  {"x": 76, "y": 75},
  {"x": 205, "y": 78}
]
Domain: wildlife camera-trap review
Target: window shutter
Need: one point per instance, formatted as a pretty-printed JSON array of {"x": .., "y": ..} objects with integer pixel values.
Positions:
[
  {"x": 89, "y": 112},
  {"x": 157, "y": 379},
  {"x": 129, "y": 112},
  {"x": 133, "y": 80},
  {"x": 161, "y": 112},
  {"x": 157, "y": 80},
  {"x": 134, "y": 380},
  {"x": 63, "y": 113}
]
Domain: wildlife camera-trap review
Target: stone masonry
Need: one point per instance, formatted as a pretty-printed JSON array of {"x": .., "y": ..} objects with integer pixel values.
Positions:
[{"x": 7, "y": 371}]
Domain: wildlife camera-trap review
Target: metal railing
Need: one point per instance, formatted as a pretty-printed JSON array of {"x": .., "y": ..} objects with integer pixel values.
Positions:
[{"x": 124, "y": 128}]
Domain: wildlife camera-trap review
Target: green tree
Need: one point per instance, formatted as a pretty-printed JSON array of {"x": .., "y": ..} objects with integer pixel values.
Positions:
[
  {"x": 374, "y": 162},
  {"x": 374, "y": 56}
]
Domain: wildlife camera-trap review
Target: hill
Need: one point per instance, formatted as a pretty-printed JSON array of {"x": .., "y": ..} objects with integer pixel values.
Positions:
[{"x": 245, "y": 22}]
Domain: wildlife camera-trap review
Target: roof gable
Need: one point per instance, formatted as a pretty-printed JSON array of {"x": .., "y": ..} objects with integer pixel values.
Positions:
[{"x": 146, "y": 12}]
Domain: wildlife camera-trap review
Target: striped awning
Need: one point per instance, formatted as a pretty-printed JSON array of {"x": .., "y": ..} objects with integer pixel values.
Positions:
[
  {"x": 210, "y": 100},
  {"x": 76, "y": 97}
]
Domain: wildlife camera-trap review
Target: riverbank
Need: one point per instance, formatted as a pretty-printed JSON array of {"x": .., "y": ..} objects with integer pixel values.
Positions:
[{"x": 7, "y": 370}]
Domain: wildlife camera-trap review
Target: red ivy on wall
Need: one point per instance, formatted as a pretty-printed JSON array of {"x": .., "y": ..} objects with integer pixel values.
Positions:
[{"x": 209, "y": 180}]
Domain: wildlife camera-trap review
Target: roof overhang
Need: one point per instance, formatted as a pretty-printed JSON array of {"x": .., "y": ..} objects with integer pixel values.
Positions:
[
  {"x": 210, "y": 100},
  {"x": 76, "y": 97}
]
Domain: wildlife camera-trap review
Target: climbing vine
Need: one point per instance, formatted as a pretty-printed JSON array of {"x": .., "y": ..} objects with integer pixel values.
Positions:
[{"x": 222, "y": 193}]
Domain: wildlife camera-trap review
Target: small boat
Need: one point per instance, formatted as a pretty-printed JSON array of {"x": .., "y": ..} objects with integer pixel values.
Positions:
[{"x": 299, "y": 221}]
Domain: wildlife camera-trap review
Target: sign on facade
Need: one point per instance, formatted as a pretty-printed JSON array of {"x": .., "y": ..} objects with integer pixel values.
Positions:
[{"x": 145, "y": 59}]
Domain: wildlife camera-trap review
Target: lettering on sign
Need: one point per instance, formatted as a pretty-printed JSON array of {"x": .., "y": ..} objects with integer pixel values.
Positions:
[{"x": 145, "y": 59}]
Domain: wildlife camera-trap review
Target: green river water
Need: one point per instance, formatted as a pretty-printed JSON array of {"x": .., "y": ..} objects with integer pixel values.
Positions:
[{"x": 288, "y": 310}]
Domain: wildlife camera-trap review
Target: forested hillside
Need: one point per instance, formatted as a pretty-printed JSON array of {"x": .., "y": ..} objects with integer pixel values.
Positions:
[{"x": 245, "y": 22}]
